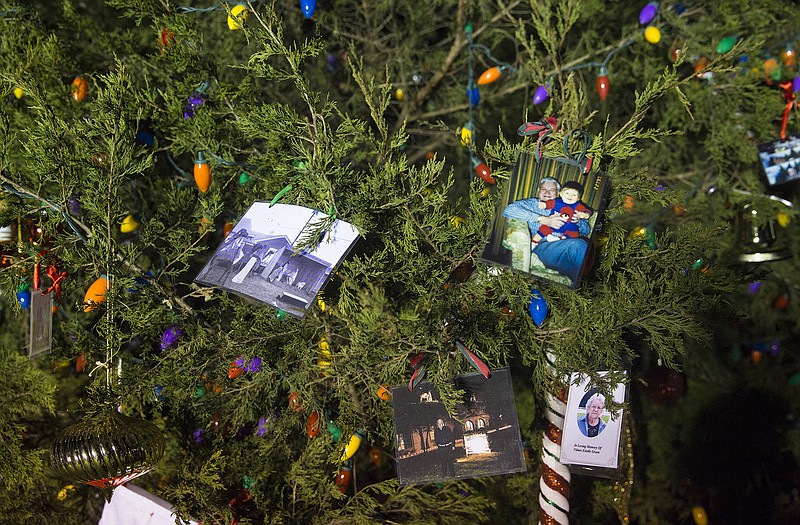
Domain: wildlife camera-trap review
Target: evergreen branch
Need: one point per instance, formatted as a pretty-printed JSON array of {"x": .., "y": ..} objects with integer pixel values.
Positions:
[
  {"x": 22, "y": 190},
  {"x": 511, "y": 89},
  {"x": 460, "y": 41}
]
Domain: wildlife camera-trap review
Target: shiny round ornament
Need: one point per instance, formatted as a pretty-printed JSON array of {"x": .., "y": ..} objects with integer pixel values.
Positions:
[
  {"x": 783, "y": 219},
  {"x": 18, "y": 93},
  {"x": 80, "y": 88},
  {"x": 399, "y": 94},
  {"x": 238, "y": 17},
  {"x": 107, "y": 450},
  {"x": 652, "y": 34}
]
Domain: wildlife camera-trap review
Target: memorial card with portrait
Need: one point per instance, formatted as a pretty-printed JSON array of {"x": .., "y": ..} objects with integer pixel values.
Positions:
[
  {"x": 780, "y": 160},
  {"x": 261, "y": 257},
  {"x": 482, "y": 440},
  {"x": 546, "y": 217},
  {"x": 591, "y": 432}
]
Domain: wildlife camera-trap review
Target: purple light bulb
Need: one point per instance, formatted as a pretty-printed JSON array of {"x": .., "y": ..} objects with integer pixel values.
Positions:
[
  {"x": 540, "y": 95},
  {"x": 648, "y": 13}
]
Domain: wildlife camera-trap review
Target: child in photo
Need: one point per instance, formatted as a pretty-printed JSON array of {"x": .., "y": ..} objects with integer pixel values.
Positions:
[{"x": 570, "y": 207}]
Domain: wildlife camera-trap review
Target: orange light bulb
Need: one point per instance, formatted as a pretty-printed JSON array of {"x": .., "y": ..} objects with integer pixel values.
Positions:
[
  {"x": 202, "y": 172},
  {"x": 489, "y": 76}
]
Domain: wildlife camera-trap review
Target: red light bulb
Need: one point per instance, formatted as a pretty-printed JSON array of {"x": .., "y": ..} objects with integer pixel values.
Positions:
[
  {"x": 344, "y": 477},
  {"x": 483, "y": 171},
  {"x": 602, "y": 83}
]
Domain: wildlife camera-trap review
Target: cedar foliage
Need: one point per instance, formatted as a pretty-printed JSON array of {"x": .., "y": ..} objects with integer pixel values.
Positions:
[{"x": 313, "y": 104}]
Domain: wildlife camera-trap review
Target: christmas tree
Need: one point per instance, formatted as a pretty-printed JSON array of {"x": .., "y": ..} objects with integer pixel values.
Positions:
[{"x": 184, "y": 350}]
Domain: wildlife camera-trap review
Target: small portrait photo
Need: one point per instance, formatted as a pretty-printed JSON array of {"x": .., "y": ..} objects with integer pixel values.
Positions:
[
  {"x": 591, "y": 432},
  {"x": 546, "y": 218},
  {"x": 483, "y": 439},
  {"x": 780, "y": 160},
  {"x": 591, "y": 414},
  {"x": 260, "y": 258}
]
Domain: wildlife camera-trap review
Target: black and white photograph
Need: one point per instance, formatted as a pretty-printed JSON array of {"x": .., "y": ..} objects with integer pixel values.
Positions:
[
  {"x": 781, "y": 160},
  {"x": 260, "y": 258},
  {"x": 482, "y": 440},
  {"x": 546, "y": 218},
  {"x": 591, "y": 432}
]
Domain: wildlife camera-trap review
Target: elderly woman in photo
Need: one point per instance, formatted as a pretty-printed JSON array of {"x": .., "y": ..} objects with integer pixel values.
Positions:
[{"x": 592, "y": 424}]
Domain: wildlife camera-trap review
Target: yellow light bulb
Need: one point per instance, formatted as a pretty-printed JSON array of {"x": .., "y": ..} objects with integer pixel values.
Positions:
[
  {"x": 652, "y": 34},
  {"x": 129, "y": 224},
  {"x": 237, "y": 17},
  {"x": 466, "y": 135},
  {"x": 352, "y": 445}
]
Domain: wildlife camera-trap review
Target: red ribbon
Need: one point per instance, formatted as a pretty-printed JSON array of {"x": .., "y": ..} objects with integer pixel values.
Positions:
[
  {"x": 538, "y": 128},
  {"x": 57, "y": 277},
  {"x": 788, "y": 96}
]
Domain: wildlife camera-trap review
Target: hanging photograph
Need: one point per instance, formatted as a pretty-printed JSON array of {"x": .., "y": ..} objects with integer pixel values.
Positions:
[
  {"x": 781, "y": 160},
  {"x": 40, "y": 335},
  {"x": 260, "y": 257},
  {"x": 546, "y": 218},
  {"x": 591, "y": 432},
  {"x": 483, "y": 439}
]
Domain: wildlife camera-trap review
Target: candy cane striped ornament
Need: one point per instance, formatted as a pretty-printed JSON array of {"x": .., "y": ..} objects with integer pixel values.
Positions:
[{"x": 554, "y": 477}]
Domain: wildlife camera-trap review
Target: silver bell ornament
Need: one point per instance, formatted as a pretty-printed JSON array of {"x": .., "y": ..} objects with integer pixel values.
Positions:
[
  {"x": 757, "y": 243},
  {"x": 107, "y": 449}
]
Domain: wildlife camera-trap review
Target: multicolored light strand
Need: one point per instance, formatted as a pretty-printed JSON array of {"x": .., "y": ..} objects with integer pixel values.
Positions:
[{"x": 492, "y": 74}]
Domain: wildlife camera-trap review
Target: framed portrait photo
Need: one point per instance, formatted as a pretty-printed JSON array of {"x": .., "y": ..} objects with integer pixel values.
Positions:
[
  {"x": 591, "y": 433},
  {"x": 546, "y": 218},
  {"x": 780, "y": 160},
  {"x": 482, "y": 440},
  {"x": 260, "y": 258}
]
